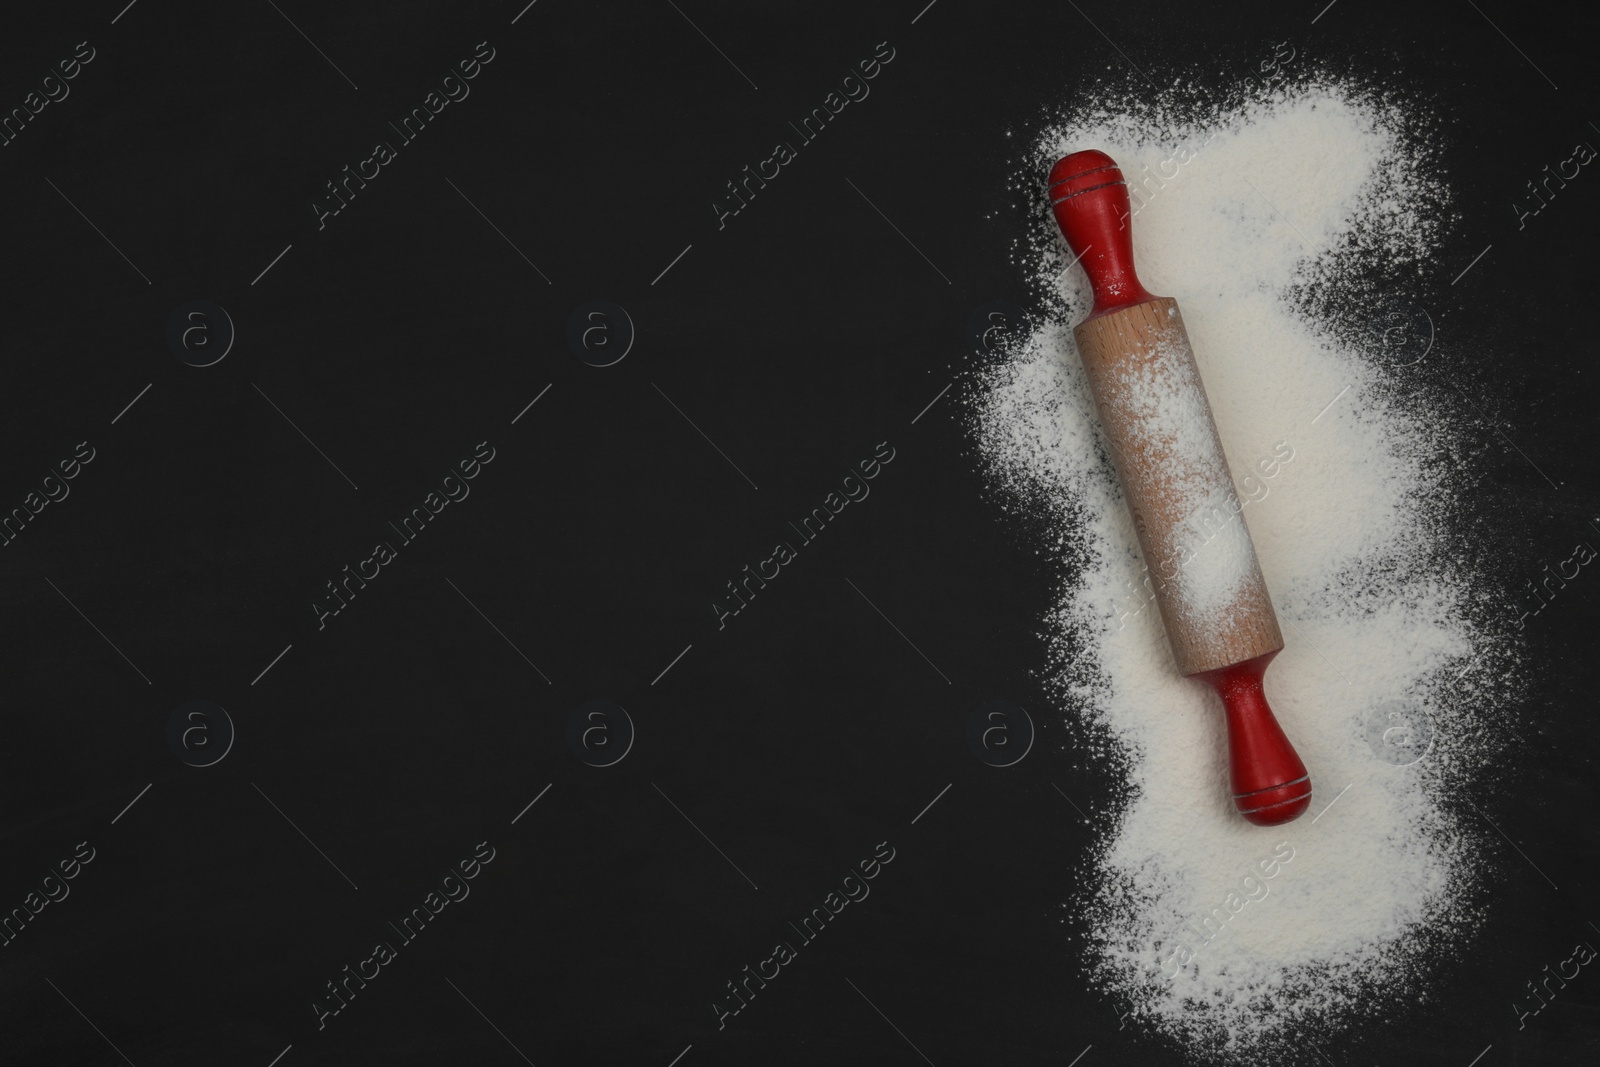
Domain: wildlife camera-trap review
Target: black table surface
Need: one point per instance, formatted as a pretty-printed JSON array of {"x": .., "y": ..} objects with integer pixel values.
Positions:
[{"x": 559, "y": 212}]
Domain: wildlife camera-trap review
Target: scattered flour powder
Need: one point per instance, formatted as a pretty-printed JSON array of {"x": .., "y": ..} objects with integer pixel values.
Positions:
[{"x": 1275, "y": 217}]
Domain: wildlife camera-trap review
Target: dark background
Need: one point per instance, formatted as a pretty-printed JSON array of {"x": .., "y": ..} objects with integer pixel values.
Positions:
[{"x": 797, "y": 338}]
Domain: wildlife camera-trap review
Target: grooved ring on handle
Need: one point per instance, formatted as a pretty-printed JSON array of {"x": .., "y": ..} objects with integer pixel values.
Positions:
[
  {"x": 1080, "y": 192},
  {"x": 1270, "y": 788},
  {"x": 1082, "y": 174},
  {"x": 1275, "y": 804}
]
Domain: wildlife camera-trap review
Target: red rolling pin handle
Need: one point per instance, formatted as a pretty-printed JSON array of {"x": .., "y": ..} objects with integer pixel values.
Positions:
[
  {"x": 1089, "y": 197},
  {"x": 1269, "y": 782},
  {"x": 1090, "y": 200}
]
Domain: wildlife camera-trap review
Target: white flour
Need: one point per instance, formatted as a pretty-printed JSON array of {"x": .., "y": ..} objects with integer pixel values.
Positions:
[{"x": 1389, "y": 637}]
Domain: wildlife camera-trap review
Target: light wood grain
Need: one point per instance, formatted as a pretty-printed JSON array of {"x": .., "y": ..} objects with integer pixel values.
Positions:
[{"x": 1113, "y": 347}]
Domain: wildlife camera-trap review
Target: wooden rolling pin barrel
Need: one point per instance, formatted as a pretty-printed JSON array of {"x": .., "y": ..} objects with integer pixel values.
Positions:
[{"x": 1152, "y": 406}]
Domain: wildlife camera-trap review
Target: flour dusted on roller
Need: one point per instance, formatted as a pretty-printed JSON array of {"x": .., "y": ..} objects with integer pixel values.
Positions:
[{"x": 1208, "y": 561}]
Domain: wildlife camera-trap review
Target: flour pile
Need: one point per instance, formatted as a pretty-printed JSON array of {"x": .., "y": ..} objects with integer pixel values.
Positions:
[{"x": 1269, "y": 219}]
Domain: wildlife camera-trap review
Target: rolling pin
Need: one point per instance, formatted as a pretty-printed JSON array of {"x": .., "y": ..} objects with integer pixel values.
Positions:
[{"x": 1153, "y": 409}]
